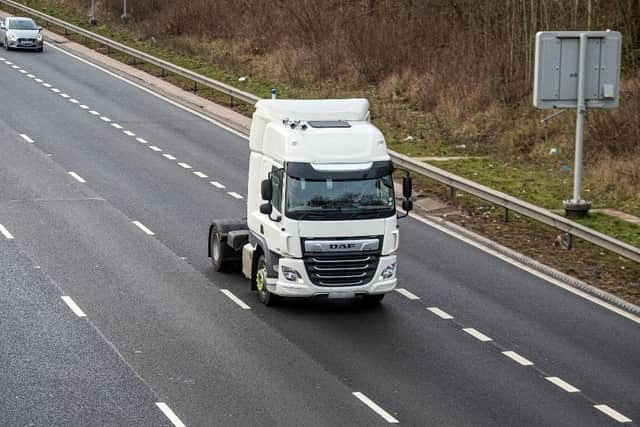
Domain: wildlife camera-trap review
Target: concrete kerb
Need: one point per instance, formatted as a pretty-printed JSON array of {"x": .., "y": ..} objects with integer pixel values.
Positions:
[{"x": 242, "y": 125}]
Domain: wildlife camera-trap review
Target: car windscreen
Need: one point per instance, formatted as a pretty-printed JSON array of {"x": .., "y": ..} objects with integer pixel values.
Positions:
[{"x": 22, "y": 24}]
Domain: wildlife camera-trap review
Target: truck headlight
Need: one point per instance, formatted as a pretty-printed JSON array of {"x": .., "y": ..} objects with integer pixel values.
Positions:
[
  {"x": 388, "y": 272},
  {"x": 291, "y": 274}
]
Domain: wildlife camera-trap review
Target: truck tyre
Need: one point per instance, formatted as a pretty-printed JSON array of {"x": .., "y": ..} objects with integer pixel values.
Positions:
[
  {"x": 373, "y": 299},
  {"x": 264, "y": 296},
  {"x": 219, "y": 251}
]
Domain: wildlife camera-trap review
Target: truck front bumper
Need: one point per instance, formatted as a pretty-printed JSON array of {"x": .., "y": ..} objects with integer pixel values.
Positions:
[{"x": 303, "y": 287}]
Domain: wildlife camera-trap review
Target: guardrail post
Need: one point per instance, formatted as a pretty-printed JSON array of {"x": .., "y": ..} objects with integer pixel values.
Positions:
[
  {"x": 506, "y": 214},
  {"x": 451, "y": 193},
  {"x": 230, "y": 101},
  {"x": 195, "y": 86},
  {"x": 162, "y": 72},
  {"x": 566, "y": 240}
]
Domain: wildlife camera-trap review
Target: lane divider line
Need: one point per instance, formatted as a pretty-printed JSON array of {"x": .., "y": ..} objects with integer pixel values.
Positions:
[
  {"x": 31, "y": 76},
  {"x": 143, "y": 228},
  {"x": 116, "y": 125},
  {"x": 84, "y": 107},
  {"x": 234, "y": 195},
  {"x": 24, "y": 71},
  {"x": 217, "y": 184},
  {"x": 562, "y": 384},
  {"x": 15, "y": 67},
  {"x": 200, "y": 175},
  {"x": 5, "y": 233},
  {"x": 612, "y": 413},
  {"x": 94, "y": 113},
  {"x": 168, "y": 156},
  {"x": 105, "y": 119},
  {"x": 46, "y": 85},
  {"x": 477, "y": 334},
  {"x": 170, "y": 414},
  {"x": 77, "y": 177},
  {"x": 407, "y": 294},
  {"x": 440, "y": 313},
  {"x": 39, "y": 80},
  {"x": 73, "y": 306},
  {"x": 128, "y": 133},
  {"x": 64, "y": 95},
  {"x": 154, "y": 148},
  {"x": 185, "y": 165},
  {"x": 74, "y": 101},
  {"x": 142, "y": 140},
  {"x": 56, "y": 90},
  {"x": 375, "y": 408},
  {"x": 26, "y": 138},
  {"x": 235, "y": 299},
  {"x": 516, "y": 357}
]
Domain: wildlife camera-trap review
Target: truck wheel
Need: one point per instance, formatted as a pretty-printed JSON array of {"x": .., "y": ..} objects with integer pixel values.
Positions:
[
  {"x": 373, "y": 298},
  {"x": 264, "y": 296},
  {"x": 219, "y": 251}
]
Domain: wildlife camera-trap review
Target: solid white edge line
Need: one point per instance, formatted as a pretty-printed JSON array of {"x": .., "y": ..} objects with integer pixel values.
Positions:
[
  {"x": 143, "y": 228},
  {"x": 185, "y": 165},
  {"x": 149, "y": 91},
  {"x": 170, "y": 414},
  {"x": 477, "y": 334},
  {"x": 26, "y": 138},
  {"x": 77, "y": 177},
  {"x": 73, "y": 306},
  {"x": 235, "y": 299},
  {"x": 562, "y": 384},
  {"x": 234, "y": 195},
  {"x": 200, "y": 175},
  {"x": 529, "y": 270},
  {"x": 221, "y": 125},
  {"x": 407, "y": 294},
  {"x": 217, "y": 184},
  {"x": 517, "y": 358},
  {"x": 5, "y": 232},
  {"x": 377, "y": 409},
  {"x": 440, "y": 313},
  {"x": 612, "y": 413}
]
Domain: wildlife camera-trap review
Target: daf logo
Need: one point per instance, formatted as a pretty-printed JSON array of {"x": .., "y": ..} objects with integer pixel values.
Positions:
[{"x": 341, "y": 245}]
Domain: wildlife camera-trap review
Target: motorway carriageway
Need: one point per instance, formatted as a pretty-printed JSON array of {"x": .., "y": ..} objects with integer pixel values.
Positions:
[{"x": 111, "y": 313}]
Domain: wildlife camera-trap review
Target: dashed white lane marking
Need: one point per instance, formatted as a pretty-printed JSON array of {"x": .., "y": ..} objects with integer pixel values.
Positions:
[
  {"x": 84, "y": 107},
  {"x": 407, "y": 294},
  {"x": 169, "y": 156},
  {"x": 94, "y": 113},
  {"x": 105, "y": 119},
  {"x": 115, "y": 125},
  {"x": 129, "y": 133},
  {"x": 46, "y": 85},
  {"x": 141, "y": 140},
  {"x": 235, "y": 299},
  {"x": 519, "y": 359},
  {"x": 184, "y": 165},
  {"x": 612, "y": 413},
  {"x": 477, "y": 334},
  {"x": 54, "y": 89},
  {"x": 377, "y": 409},
  {"x": 8, "y": 62},
  {"x": 64, "y": 95},
  {"x": 77, "y": 177},
  {"x": 234, "y": 195},
  {"x": 170, "y": 414},
  {"x": 31, "y": 76},
  {"x": 154, "y": 148},
  {"x": 562, "y": 384},
  {"x": 5, "y": 232},
  {"x": 24, "y": 71},
  {"x": 73, "y": 306},
  {"x": 200, "y": 174},
  {"x": 39, "y": 80},
  {"x": 73, "y": 100},
  {"x": 217, "y": 184},
  {"x": 440, "y": 313},
  {"x": 26, "y": 138},
  {"x": 143, "y": 228},
  {"x": 15, "y": 67}
]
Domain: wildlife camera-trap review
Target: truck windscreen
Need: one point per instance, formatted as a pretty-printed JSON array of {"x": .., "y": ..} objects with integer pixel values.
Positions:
[{"x": 339, "y": 199}]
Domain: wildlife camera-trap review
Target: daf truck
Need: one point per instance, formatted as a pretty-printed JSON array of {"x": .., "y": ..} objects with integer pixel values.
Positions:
[{"x": 321, "y": 211}]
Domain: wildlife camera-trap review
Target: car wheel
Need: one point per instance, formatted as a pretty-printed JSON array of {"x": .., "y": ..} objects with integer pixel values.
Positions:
[
  {"x": 219, "y": 251},
  {"x": 40, "y": 49},
  {"x": 264, "y": 296}
]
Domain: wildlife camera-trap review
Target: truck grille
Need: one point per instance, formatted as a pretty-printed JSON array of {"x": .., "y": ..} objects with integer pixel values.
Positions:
[{"x": 352, "y": 268}]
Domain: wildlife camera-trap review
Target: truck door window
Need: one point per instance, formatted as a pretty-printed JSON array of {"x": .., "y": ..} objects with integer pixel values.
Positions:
[{"x": 277, "y": 185}]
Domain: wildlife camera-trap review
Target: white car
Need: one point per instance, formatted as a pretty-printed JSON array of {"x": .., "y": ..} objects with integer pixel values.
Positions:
[{"x": 21, "y": 33}]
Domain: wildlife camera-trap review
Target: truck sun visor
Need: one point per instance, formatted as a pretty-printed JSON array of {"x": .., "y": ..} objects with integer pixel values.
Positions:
[{"x": 338, "y": 171}]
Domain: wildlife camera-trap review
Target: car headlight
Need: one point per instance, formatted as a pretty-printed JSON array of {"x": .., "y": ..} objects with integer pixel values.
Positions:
[
  {"x": 388, "y": 272},
  {"x": 12, "y": 36},
  {"x": 292, "y": 275},
  {"x": 39, "y": 37}
]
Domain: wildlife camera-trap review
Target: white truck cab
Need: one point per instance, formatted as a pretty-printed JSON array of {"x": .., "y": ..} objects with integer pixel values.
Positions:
[{"x": 321, "y": 215}]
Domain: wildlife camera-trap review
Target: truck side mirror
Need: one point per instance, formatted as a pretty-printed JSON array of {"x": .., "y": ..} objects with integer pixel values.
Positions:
[
  {"x": 407, "y": 186},
  {"x": 266, "y": 190},
  {"x": 407, "y": 205},
  {"x": 266, "y": 208}
]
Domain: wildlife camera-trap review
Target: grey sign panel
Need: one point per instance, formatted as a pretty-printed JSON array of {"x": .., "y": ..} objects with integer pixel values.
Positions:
[{"x": 556, "y": 69}]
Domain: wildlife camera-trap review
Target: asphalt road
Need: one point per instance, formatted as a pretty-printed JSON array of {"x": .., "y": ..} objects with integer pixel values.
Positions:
[{"x": 109, "y": 190}]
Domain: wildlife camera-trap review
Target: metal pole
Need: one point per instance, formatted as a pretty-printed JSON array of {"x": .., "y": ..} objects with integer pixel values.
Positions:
[
  {"x": 93, "y": 20},
  {"x": 125, "y": 15},
  {"x": 577, "y": 206}
]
